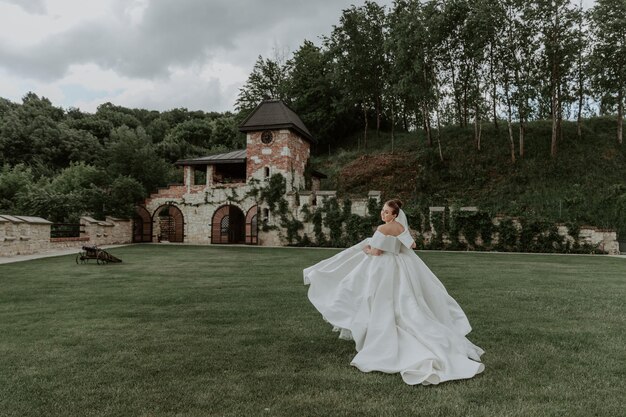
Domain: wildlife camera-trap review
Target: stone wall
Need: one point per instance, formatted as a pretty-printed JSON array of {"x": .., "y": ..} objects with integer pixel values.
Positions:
[
  {"x": 198, "y": 208},
  {"x": 605, "y": 240},
  {"x": 25, "y": 235},
  {"x": 199, "y": 205},
  {"x": 111, "y": 231}
]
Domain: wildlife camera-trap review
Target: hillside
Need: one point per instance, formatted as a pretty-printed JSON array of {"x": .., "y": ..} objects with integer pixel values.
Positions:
[{"x": 584, "y": 184}]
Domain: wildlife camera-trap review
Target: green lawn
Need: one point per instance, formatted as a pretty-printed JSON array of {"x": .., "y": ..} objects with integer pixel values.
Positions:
[{"x": 229, "y": 331}]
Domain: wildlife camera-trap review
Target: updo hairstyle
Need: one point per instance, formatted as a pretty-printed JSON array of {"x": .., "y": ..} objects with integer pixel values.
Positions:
[{"x": 395, "y": 205}]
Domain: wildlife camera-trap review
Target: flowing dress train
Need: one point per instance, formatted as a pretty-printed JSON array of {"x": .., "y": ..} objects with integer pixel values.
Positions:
[{"x": 398, "y": 313}]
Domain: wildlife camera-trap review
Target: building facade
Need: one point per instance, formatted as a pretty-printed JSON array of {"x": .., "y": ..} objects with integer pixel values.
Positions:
[{"x": 219, "y": 201}]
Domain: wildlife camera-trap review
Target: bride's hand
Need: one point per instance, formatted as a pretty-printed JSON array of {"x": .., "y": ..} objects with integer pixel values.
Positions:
[
  {"x": 375, "y": 252},
  {"x": 367, "y": 249}
]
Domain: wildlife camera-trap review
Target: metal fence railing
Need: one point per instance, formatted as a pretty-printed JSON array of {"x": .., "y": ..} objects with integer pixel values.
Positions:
[{"x": 66, "y": 230}]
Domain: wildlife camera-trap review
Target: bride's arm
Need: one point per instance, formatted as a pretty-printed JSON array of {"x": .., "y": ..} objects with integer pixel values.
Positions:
[{"x": 372, "y": 251}]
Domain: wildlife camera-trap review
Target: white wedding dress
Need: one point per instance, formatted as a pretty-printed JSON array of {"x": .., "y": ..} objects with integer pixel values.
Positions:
[{"x": 396, "y": 310}]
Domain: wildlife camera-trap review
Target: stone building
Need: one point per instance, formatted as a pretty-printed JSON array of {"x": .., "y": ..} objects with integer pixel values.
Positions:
[{"x": 218, "y": 202}]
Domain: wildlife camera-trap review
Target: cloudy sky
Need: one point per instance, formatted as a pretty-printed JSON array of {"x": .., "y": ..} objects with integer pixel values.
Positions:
[{"x": 153, "y": 54}]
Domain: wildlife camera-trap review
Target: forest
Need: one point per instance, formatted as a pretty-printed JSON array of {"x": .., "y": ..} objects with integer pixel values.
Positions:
[{"x": 473, "y": 86}]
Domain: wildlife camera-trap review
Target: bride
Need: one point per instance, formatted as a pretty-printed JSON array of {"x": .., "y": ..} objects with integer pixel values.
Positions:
[{"x": 380, "y": 294}]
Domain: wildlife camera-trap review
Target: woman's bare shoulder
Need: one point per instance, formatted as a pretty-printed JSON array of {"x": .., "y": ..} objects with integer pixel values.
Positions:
[{"x": 391, "y": 229}]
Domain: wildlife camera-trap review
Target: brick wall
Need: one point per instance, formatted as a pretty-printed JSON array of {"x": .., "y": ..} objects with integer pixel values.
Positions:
[{"x": 288, "y": 154}]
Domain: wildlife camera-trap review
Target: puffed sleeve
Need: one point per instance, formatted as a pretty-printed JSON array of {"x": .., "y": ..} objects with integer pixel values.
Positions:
[
  {"x": 406, "y": 239},
  {"x": 378, "y": 241}
]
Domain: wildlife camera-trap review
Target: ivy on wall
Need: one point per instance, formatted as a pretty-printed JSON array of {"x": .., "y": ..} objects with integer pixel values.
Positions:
[
  {"x": 344, "y": 228},
  {"x": 334, "y": 224},
  {"x": 458, "y": 230}
]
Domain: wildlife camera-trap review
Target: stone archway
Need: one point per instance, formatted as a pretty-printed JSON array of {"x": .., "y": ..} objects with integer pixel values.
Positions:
[
  {"x": 171, "y": 223},
  {"x": 228, "y": 225},
  {"x": 142, "y": 225},
  {"x": 252, "y": 226}
]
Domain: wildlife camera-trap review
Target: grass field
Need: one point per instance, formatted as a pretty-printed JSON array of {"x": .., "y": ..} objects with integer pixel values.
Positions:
[{"x": 228, "y": 331}]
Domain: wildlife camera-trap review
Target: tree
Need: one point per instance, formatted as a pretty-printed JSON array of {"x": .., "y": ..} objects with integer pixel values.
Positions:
[
  {"x": 267, "y": 81},
  {"x": 478, "y": 38},
  {"x": 118, "y": 115},
  {"x": 314, "y": 95},
  {"x": 556, "y": 23},
  {"x": 15, "y": 182},
  {"x": 226, "y": 133},
  {"x": 93, "y": 124},
  {"x": 74, "y": 192},
  {"x": 608, "y": 56},
  {"x": 357, "y": 49},
  {"x": 197, "y": 132},
  {"x": 157, "y": 129},
  {"x": 523, "y": 61},
  {"x": 506, "y": 52},
  {"x": 582, "y": 68},
  {"x": 411, "y": 47},
  {"x": 31, "y": 130},
  {"x": 131, "y": 153},
  {"x": 125, "y": 193}
]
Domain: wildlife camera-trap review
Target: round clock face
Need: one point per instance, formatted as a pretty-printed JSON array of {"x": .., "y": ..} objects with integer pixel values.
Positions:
[{"x": 266, "y": 137}]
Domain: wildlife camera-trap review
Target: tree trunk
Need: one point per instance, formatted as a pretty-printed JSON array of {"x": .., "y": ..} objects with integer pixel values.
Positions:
[
  {"x": 579, "y": 119},
  {"x": 393, "y": 124},
  {"x": 522, "y": 105},
  {"x": 405, "y": 119},
  {"x": 580, "y": 72},
  {"x": 477, "y": 118},
  {"x": 554, "y": 88},
  {"x": 509, "y": 120},
  {"x": 554, "y": 126},
  {"x": 559, "y": 120},
  {"x": 554, "y": 109},
  {"x": 559, "y": 130},
  {"x": 429, "y": 136},
  {"x": 438, "y": 133},
  {"x": 465, "y": 111},
  {"x": 477, "y": 127},
  {"x": 494, "y": 90},
  {"x": 620, "y": 113},
  {"x": 366, "y": 126},
  {"x": 457, "y": 99},
  {"x": 378, "y": 105}
]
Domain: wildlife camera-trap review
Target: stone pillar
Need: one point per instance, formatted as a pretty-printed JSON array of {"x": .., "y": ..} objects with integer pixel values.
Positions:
[
  {"x": 188, "y": 177},
  {"x": 209, "y": 175}
]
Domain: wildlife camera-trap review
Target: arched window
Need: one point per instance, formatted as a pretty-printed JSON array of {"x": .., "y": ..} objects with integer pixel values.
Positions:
[{"x": 224, "y": 225}]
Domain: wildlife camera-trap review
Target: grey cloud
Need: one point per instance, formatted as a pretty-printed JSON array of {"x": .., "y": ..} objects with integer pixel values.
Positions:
[
  {"x": 182, "y": 94},
  {"x": 177, "y": 34},
  {"x": 30, "y": 6},
  {"x": 173, "y": 33}
]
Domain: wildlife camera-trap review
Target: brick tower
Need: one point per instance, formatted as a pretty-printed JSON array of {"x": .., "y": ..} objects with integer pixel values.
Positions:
[{"x": 277, "y": 141}]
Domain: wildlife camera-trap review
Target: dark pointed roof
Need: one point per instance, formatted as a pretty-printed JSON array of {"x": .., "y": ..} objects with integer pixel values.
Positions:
[{"x": 274, "y": 114}]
